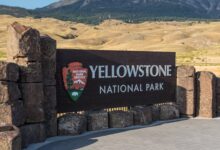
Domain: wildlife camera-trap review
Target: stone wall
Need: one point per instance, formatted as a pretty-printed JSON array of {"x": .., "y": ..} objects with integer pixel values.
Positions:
[
  {"x": 197, "y": 93},
  {"x": 11, "y": 105},
  {"x": 30, "y": 81},
  {"x": 218, "y": 95},
  {"x": 75, "y": 124},
  {"x": 28, "y": 96}
]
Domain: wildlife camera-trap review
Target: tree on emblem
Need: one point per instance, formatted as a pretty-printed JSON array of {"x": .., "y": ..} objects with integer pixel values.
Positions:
[{"x": 69, "y": 79}]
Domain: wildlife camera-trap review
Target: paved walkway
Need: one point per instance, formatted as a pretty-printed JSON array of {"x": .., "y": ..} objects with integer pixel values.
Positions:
[{"x": 192, "y": 134}]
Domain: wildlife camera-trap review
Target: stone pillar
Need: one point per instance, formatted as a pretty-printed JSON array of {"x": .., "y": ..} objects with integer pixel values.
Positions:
[
  {"x": 24, "y": 50},
  {"x": 11, "y": 106},
  {"x": 218, "y": 96},
  {"x": 185, "y": 92},
  {"x": 206, "y": 94},
  {"x": 10, "y": 138},
  {"x": 48, "y": 50}
]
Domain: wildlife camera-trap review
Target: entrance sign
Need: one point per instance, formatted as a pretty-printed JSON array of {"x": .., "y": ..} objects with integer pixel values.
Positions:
[{"x": 90, "y": 79}]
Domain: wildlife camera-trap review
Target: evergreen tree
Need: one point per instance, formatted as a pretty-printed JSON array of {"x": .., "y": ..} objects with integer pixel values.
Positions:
[{"x": 69, "y": 80}]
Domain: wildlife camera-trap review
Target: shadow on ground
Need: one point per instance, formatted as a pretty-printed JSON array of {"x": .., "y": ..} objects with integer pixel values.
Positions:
[{"x": 86, "y": 139}]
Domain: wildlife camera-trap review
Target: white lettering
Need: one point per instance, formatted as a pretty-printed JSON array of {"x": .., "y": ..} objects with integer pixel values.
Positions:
[
  {"x": 123, "y": 71},
  {"x": 101, "y": 72},
  {"x": 169, "y": 70},
  {"x": 102, "y": 89},
  {"x": 154, "y": 71},
  {"x": 130, "y": 88},
  {"x": 93, "y": 70},
  {"x": 132, "y": 71}
]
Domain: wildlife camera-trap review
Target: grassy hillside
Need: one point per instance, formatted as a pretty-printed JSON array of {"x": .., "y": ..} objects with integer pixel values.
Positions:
[
  {"x": 15, "y": 11},
  {"x": 196, "y": 43},
  {"x": 95, "y": 11},
  {"x": 133, "y": 11}
]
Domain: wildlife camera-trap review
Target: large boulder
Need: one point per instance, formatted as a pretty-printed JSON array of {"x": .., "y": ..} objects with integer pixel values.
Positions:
[
  {"x": 121, "y": 119},
  {"x": 72, "y": 124},
  {"x": 12, "y": 113},
  {"x": 32, "y": 133},
  {"x": 142, "y": 115},
  {"x": 206, "y": 94},
  {"x": 10, "y": 138},
  {"x": 97, "y": 120},
  {"x": 155, "y": 112},
  {"x": 169, "y": 111}
]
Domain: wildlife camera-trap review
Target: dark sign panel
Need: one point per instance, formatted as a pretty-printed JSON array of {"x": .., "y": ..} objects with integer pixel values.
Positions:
[{"x": 90, "y": 79}]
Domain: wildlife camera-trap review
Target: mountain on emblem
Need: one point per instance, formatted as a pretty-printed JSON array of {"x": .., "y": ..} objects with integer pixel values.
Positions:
[{"x": 75, "y": 79}]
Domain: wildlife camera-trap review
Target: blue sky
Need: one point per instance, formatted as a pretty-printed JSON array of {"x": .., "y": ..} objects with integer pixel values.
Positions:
[{"x": 31, "y": 4}]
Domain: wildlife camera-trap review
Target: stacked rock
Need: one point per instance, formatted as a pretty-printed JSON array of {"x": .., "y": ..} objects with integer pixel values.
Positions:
[
  {"x": 48, "y": 57},
  {"x": 11, "y": 106},
  {"x": 185, "y": 93},
  {"x": 206, "y": 94},
  {"x": 24, "y": 49}
]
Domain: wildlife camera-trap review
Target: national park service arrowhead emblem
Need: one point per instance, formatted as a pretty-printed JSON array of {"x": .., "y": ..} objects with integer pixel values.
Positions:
[{"x": 75, "y": 79}]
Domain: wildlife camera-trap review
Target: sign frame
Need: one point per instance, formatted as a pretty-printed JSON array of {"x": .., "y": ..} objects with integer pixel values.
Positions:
[{"x": 90, "y": 100}]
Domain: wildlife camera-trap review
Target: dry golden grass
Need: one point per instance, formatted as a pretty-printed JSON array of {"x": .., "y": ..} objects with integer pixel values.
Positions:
[{"x": 195, "y": 43}]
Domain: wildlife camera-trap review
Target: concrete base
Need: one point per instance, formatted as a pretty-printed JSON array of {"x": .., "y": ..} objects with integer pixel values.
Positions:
[{"x": 180, "y": 134}]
